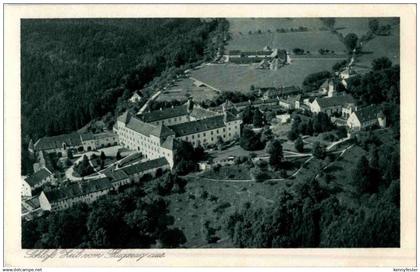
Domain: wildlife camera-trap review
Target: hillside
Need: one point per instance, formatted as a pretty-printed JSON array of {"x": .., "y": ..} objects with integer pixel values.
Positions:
[{"x": 75, "y": 70}]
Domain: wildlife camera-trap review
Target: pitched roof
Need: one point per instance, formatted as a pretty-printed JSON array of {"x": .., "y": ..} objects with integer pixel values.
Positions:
[
  {"x": 198, "y": 126},
  {"x": 86, "y": 136},
  {"x": 162, "y": 131},
  {"x": 103, "y": 135},
  {"x": 166, "y": 113},
  {"x": 140, "y": 126},
  {"x": 72, "y": 139},
  {"x": 33, "y": 202},
  {"x": 38, "y": 177},
  {"x": 125, "y": 117},
  {"x": 144, "y": 166},
  {"x": 78, "y": 189},
  {"x": 200, "y": 113},
  {"x": 335, "y": 101},
  {"x": 368, "y": 113},
  {"x": 117, "y": 175},
  {"x": 170, "y": 143}
]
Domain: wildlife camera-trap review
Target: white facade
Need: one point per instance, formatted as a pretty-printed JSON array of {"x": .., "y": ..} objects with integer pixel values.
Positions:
[
  {"x": 26, "y": 190},
  {"x": 355, "y": 124}
]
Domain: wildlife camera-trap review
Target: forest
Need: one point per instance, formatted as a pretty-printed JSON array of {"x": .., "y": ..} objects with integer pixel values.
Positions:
[{"x": 74, "y": 70}]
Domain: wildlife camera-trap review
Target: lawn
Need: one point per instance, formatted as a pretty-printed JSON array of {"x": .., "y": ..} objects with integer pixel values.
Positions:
[
  {"x": 231, "y": 172},
  {"x": 281, "y": 130},
  {"x": 382, "y": 46},
  {"x": 231, "y": 77}
]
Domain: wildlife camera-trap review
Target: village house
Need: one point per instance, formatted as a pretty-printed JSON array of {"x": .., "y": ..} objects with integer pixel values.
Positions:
[
  {"x": 335, "y": 105},
  {"x": 36, "y": 180},
  {"x": 366, "y": 117},
  {"x": 65, "y": 197}
]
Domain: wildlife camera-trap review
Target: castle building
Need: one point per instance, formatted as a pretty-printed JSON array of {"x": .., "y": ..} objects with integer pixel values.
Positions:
[{"x": 155, "y": 134}]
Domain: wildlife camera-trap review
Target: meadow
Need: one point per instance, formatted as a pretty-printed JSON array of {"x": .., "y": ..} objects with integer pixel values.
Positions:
[{"x": 231, "y": 77}]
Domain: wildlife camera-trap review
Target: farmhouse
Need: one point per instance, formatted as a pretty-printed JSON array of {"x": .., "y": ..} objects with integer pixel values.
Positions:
[
  {"x": 333, "y": 105},
  {"x": 266, "y": 58},
  {"x": 155, "y": 134},
  {"x": 366, "y": 117}
]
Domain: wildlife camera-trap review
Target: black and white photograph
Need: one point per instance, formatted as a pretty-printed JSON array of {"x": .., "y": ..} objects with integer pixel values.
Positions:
[{"x": 210, "y": 132}]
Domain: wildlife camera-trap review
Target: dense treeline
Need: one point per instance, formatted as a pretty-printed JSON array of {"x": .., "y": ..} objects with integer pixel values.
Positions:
[
  {"x": 75, "y": 70},
  {"x": 128, "y": 219}
]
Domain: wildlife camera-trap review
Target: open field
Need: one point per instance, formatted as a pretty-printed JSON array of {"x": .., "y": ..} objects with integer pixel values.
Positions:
[
  {"x": 315, "y": 38},
  {"x": 244, "y": 25},
  {"x": 309, "y": 41},
  {"x": 382, "y": 46},
  {"x": 231, "y": 77},
  {"x": 358, "y": 26}
]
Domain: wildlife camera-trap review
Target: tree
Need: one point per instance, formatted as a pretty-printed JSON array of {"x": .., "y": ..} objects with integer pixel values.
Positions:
[
  {"x": 313, "y": 81},
  {"x": 362, "y": 176},
  {"x": 258, "y": 118},
  {"x": 339, "y": 65},
  {"x": 299, "y": 145},
  {"x": 84, "y": 168},
  {"x": 328, "y": 22},
  {"x": 172, "y": 238},
  {"x": 373, "y": 25},
  {"x": 69, "y": 154},
  {"x": 250, "y": 140},
  {"x": 103, "y": 157},
  {"x": 318, "y": 151},
  {"x": 248, "y": 115},
  {"x": 275, "y": 150},
  {"x": 351, "y": 41},
  {"x": 381, "y": 64}
]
